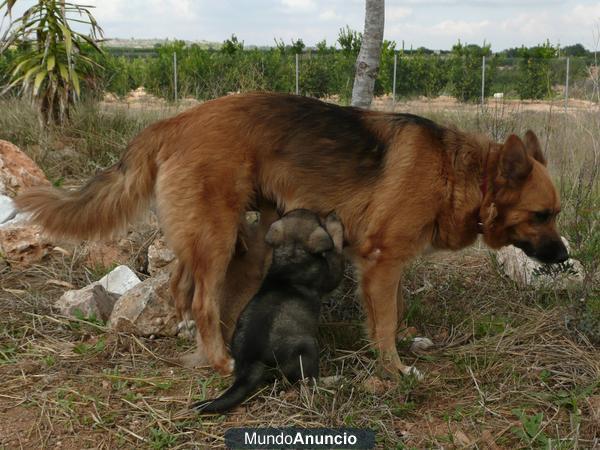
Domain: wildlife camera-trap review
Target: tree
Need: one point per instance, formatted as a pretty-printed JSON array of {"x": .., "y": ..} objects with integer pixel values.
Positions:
[
  {"x": 232, "y": 45},
  {"x": 50, "y": 69},
  {"x": 367, "y": 63},
  {"x": 465, "y": 71},
  {"x": 350, "y": 40},
  {"x": 535, "y": 74}
]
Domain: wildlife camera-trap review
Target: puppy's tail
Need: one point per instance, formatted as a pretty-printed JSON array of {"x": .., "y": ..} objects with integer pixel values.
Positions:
[
  {"x": 106, "y": 204},
  {"x": 244, "y": 386}
]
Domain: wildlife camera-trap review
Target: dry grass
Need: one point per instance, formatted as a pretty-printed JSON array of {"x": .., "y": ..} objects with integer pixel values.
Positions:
[{"x": 509, "y": 370}]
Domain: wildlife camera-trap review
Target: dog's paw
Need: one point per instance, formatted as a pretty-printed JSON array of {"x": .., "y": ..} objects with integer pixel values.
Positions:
[
  {"x": 421, "y": 344},
  {"x": 412, "y": 371},
  {"x": 334, "y": 227},
  {"x": 186, "y": 329},
  {"x": 225, "y": 367}
]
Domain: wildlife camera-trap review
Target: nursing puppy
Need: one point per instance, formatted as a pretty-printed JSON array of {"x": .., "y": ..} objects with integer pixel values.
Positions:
[{"x": 277, "y": 331}]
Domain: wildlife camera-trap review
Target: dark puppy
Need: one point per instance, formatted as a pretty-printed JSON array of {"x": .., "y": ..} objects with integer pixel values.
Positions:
[{"x": 277, "y": 331}]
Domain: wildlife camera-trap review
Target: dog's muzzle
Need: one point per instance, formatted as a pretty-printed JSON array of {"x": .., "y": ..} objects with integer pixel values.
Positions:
[{"x": 551, "y": 251}]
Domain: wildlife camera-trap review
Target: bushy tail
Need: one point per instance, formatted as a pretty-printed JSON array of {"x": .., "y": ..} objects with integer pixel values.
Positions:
[
  {"x": 105, "y": 205},
  {"x": 240, "y": 390}
]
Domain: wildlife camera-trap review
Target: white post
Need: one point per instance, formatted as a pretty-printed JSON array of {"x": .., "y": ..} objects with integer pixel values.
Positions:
[
  {"x": 567, "y": 87},
  {"x": 394, "y": 85},
  {"x": 297, "y": 76},
  {"x": 483, "y": 83},
  {"x": 175, "y": 75}
]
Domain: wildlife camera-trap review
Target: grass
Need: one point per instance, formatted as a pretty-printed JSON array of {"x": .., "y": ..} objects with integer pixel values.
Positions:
[{"x": 511, "y": 368}]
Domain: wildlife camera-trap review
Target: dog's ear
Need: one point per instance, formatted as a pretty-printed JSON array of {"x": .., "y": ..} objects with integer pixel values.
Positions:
[
  {"x": 274, "y": 236},
  {"x": 515, "y": 165},
  {"x": 534, "y": 149},
  {"x": 319, "y": 241}
]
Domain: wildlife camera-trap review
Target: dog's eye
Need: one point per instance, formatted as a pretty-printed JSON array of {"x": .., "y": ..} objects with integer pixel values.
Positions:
[{"x": 542, "y": 216}]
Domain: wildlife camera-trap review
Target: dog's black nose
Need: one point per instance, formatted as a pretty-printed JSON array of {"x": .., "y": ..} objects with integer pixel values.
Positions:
[{"x": 553, "y": 252}]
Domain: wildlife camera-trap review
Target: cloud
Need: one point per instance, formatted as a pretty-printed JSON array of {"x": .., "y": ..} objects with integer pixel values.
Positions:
[
  {"x": 460, "y": 27},
  {"x": 584, "y": 15},
  {"x": 395, "y": 13},
  {"x": 299, "y": 5}
]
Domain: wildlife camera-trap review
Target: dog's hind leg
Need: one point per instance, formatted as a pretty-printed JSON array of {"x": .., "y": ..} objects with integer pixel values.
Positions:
[{"x": 201, "y": 219}]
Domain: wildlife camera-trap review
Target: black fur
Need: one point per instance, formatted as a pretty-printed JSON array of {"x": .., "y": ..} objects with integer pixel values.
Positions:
[
  {"x": 277, "y": 331},
  {"x": 434, "y": 129}
]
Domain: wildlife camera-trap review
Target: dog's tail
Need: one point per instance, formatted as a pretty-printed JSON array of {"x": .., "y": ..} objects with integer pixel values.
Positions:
[
  {"x": 106, "y": 204},
  {"x": 244, "y": 386}
]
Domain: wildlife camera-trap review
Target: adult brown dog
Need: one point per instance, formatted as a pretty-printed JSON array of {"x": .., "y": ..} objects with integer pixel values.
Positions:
[{"x": 398, "y": 182}]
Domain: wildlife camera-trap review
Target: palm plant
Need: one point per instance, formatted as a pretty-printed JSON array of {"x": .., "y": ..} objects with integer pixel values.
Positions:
[{"x": 52, "y": 61}]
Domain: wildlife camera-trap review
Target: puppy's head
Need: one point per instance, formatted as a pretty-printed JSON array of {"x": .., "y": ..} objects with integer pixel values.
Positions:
[
  {"x": 525, "y": 202},
  {"x": 300, "y": 229}
]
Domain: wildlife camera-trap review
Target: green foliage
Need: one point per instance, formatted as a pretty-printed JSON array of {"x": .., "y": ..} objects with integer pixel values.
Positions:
[
  {"x": 89, "y": 349},
  {"x": 205, "y": 73},
  {"x": 421, "y": 74},
  {"x": 350, "y": 40},
  {"x": 465, "y": 71},
  {"x": 160, "y": 439},
  {"x": 535, "y": 75},
  {"x": 531, "y": 429},
  {"x": 232, "y": 45},
  {"x": 50, "y": 70}
]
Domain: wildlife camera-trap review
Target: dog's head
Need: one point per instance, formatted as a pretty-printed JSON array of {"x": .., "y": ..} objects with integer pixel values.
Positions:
[{"x": 523, "y": 202}]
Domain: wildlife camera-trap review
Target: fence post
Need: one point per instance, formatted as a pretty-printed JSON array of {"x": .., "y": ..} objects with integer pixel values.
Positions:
[
  {"x": 394, "y": 85},
  {"x": 567, "y": 87},
  {"x": 483, "y": 83},
  {"x": 297, "y": 76},
  {"x": 175, "y": 75}
]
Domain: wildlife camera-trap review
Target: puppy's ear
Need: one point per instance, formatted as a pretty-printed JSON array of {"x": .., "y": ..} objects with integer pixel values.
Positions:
[
  {"x": 515, "y": 165},
  {"x": 534, "y": 149},
  {"x": 274, "y": 236},
  {"x": 319, "y": 241}
]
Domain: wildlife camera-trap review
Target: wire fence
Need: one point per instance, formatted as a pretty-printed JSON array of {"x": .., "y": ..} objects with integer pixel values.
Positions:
[
  {"x": 466, "y": 79},
  {"x": 176, "y": 73}
]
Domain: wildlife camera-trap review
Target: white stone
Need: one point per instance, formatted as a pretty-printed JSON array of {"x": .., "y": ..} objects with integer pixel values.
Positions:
[
  {"x": 7, "y": 208},
  {"x": 421, "y": 344},
  {"x": 139, "y": 308},
  {"x": 90, "y": 301},
  {"x": 528, "y": 272},
  {"x": 119, "y": 280},
  {"x": 159, "y": 256}
]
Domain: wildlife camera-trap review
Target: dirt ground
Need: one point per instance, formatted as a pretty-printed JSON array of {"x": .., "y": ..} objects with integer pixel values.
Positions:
[
  {"x": 501, "y": 362},
  {"x": 511, "y": 368}
]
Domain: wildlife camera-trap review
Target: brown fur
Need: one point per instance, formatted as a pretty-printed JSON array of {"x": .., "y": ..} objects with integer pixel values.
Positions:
[{"x": 398, "y": 182}]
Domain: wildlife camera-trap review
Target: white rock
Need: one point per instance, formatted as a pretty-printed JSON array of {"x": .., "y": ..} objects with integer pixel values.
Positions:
[
  {"x": 119, "y": 280},
  {"x": 92, "y": 300},
  {"x": 22, "y": 244},
  {"x": 159, "y": 256},
  {"x": 7, "y": 208},
  {"x": 528, "y": 272},
  {"x": 421, "y": 344},
  {"x": 139, "y": 308}
]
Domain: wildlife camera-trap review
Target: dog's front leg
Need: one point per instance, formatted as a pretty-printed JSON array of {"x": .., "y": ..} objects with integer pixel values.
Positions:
[{"x": 380, "y": 284}]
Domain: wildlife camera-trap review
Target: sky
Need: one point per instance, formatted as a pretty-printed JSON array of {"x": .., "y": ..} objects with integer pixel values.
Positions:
[{"x": 435, "y": 24}]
